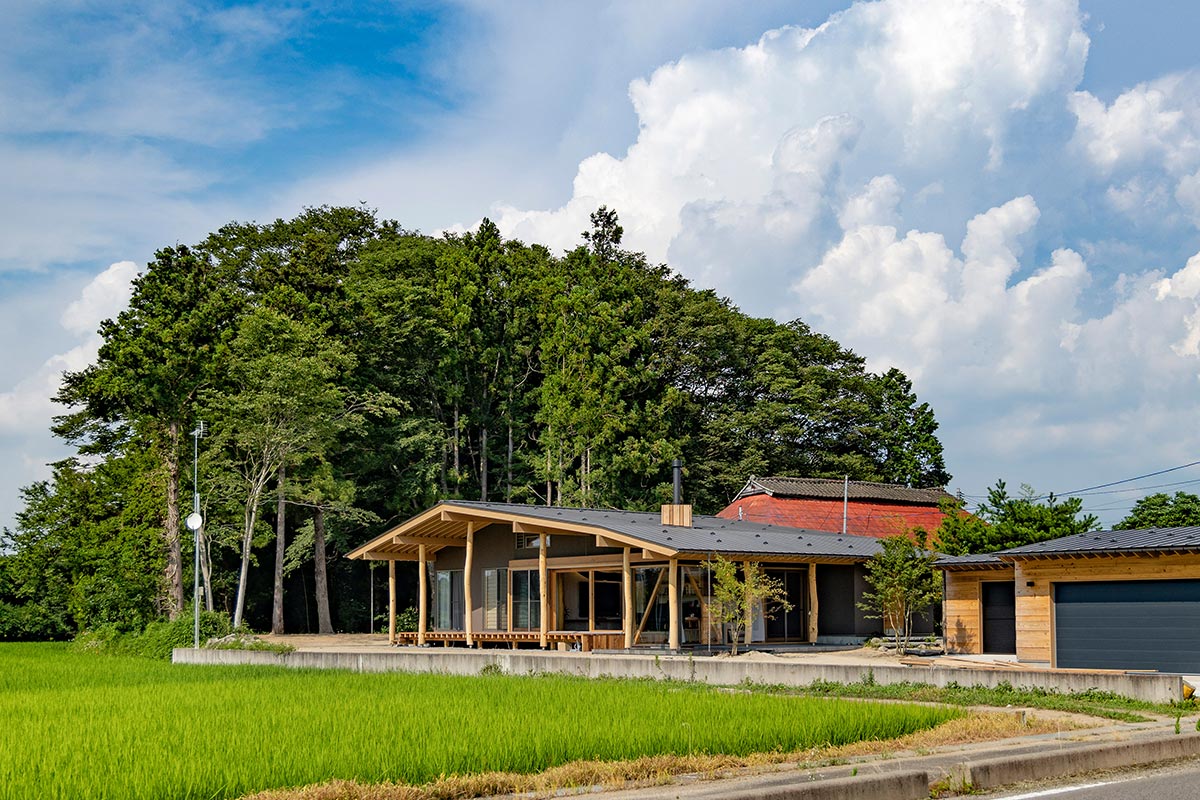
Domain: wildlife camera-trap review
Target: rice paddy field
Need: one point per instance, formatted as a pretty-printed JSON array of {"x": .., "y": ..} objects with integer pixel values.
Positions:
[{"x": 77, "y": 725}]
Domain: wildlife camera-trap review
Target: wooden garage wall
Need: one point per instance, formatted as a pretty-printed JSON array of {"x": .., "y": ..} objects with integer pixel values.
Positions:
[
  {"x": 1035, "y": 612},
  {"x": 964, "y": 607}
]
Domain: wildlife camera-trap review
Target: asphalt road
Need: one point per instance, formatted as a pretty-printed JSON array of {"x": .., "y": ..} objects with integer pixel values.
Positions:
[{"x": 1176, "y": 781}]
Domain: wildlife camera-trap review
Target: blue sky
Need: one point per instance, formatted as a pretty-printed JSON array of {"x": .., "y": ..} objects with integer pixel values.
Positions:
[{"x": 1001, "y": 198}]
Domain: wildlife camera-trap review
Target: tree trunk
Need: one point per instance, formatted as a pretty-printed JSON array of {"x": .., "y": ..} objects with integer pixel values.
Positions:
[
  {"x": 457, "y": 465},
  {"x": 280, "y": 553},
  {"x": 206, "y": 570},
  {"x": 324, "y": 625},
  {"x": 249, "y": 518},
  {"x": 174, "y": 569},
  {"x": 508, "y": 468},
  {"x": 483, "y": 463}
]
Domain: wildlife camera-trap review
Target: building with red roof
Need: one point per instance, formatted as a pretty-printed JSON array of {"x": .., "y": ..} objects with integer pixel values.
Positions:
[{"x": 820, "y": 504}]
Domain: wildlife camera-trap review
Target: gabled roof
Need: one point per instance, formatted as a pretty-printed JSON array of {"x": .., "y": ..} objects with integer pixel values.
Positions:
[
  {"x": 832, "y": 489},
  {"x": 1141, "y": 541},
  {"x": 444, "y": 525},
  {"x": 972, "y": 562}
]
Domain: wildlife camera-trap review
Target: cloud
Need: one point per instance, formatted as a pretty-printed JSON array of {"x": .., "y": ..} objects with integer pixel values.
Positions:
[
  {"x": 775, "y": 138},
  {"x": 28, "y": 406}
]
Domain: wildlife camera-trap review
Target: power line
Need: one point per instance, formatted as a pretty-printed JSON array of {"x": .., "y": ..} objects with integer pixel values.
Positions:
[{"x": 1118, "y": 483}]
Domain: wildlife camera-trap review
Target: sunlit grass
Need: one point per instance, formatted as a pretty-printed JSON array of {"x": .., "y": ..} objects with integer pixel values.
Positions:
[{"x": 79, "y": 725}]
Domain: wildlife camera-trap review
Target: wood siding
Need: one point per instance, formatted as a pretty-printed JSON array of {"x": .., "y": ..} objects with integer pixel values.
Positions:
[{"x": 964, "y": 608}]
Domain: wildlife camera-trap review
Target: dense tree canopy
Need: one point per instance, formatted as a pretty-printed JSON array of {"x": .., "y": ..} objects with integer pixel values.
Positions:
[
  {"x": 1005, "y": 521},
  {"x": 1162, "y": 511},
  {"x": 352, "y": 372}
]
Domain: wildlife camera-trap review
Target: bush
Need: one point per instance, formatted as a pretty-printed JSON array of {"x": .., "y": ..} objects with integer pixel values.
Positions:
[{"x": 156, "y": 641}]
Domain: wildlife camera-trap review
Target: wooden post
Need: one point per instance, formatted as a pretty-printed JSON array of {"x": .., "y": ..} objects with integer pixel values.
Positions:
[
  {"x": 422, "y": 596},
  {"x": 543, "y": 591},
  {"x": 627, "y": 590},
  {"x": 749, "y": 606},
  {"x": 673, "y": 602},
  {"x": 391, "y": 601},
  {"x": 468, "y": 564},
  {"x": 812, "y": 602}
]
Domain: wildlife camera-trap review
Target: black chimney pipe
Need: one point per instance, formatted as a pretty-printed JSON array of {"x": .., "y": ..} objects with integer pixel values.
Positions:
[{"x": 677, "y": 469}]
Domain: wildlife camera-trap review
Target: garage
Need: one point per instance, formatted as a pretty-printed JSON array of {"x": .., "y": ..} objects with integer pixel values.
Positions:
[{"x": 1147, "y": 624}]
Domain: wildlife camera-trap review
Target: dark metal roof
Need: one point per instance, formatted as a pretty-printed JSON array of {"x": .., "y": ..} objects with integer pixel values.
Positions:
[
  {"x": 707, "y": 534},
  {"x": 1146, "y": 540},
  {"x": 832, "y": 489},
  {"x": 977, "y": 561}
]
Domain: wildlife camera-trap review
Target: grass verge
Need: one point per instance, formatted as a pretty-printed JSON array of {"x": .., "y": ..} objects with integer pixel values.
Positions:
[
  {"x": 1093, "y": 703},
  {"x": 656, "y": 770}
]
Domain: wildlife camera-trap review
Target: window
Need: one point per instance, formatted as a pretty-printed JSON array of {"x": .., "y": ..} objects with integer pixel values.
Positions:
[
  {"x": 526, "y": 599},
  {"x": 529, "y": 541},
  {"x": 495, "y": 599},
  {"x": 449, "y": 614}
]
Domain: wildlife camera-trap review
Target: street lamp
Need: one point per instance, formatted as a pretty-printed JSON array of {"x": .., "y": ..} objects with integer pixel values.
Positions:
[{"x": 194, "y": 523}]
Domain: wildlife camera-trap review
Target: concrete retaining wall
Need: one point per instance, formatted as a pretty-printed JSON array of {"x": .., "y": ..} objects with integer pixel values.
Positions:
[{"x": 1152, "y": 687}]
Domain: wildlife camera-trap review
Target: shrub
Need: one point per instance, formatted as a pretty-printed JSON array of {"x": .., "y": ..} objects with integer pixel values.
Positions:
[{"x": 156, "y": 641}]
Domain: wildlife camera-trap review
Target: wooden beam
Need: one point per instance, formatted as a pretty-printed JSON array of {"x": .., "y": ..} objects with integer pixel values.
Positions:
[
  {"x": 812, "y": 602},
  {"x": 604, "y": 541},
  {"x": 468, "y": 565},
  {"x": 576, "y": 562},
  {"x": 530, "y": 527},
  {"x": 544, "y": 591},
  {"x": 627, "y": 591},
  {"x": 649, "y": 607},
  {"x": 375, "y": 555},
  {"x": 422, "y": 597},
  {"x": 673, "y": 603},
  {"x": 391, "y": 602},
  {"x": 458, "y": 516},
  {"x": 430, "y": 541}
]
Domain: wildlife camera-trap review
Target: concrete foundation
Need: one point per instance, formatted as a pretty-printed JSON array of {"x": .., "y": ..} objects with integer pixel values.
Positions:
[{"x": 1152, "y": 687}]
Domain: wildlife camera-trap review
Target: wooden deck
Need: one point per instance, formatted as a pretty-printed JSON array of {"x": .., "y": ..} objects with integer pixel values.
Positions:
[{"x": 586, "y": 640}]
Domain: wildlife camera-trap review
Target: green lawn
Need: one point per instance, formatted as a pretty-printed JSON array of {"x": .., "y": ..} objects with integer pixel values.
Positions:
[{"x": 76, "y": 725}]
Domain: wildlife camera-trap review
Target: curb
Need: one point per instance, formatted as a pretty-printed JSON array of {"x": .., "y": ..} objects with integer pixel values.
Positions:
[
  {"x": 993, "y": 772},
  {"x": 917, "y": 777}
]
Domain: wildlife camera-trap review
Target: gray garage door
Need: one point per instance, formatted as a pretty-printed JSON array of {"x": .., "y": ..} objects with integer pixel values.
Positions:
[{"x": 1128, "y": 625}]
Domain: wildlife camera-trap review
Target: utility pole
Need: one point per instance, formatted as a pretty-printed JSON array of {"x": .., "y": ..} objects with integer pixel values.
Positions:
[{"x": 195, "y": 522}]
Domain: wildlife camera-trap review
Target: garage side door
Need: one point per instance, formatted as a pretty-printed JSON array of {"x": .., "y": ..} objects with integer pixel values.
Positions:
[
  {"x": 1128, "y": 625},
  {"x": 999, "y": 617}
]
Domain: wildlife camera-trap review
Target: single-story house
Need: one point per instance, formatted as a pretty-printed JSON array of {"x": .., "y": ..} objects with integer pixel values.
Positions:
[
  {"x": 865, "y": 508},
  {"x": 500, "y": 573},
  {"x": 1098, "y": 600}
]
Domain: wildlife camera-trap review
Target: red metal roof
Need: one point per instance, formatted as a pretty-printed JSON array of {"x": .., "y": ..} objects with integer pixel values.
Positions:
[{"x": 878, "y": 518}]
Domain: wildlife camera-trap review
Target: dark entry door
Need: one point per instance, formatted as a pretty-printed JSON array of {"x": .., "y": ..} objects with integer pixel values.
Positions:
[
  {"x": 789, "y": 625},
  {"x": 1128, "y": 625},
  {"x": 999, "y": 617}
]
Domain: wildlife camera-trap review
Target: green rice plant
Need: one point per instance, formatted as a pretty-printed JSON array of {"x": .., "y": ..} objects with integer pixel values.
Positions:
[{"x": 80, "y": 726}]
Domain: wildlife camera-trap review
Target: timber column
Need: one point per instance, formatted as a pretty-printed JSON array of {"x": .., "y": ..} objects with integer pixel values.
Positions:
[
  {"x": 422, "y": 596},
  {"x": 391, "y": 601},
  {"x": 543, "y": 592},
  {"x": 468, "y": 564},
  {"x": 673, "y": 602},
  {"x": 812, "y": 602},
  {"x": 627, "y": 590},
  {"x": 746, "y": 568}
]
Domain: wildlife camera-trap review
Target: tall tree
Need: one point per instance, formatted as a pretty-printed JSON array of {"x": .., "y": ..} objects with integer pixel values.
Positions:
[
  {"x": 282, "y": 406},
  {"x": 155, "y": 359},
  {"x": 1162, "y": 511},
  {"x": 1004, "y": 521}
]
